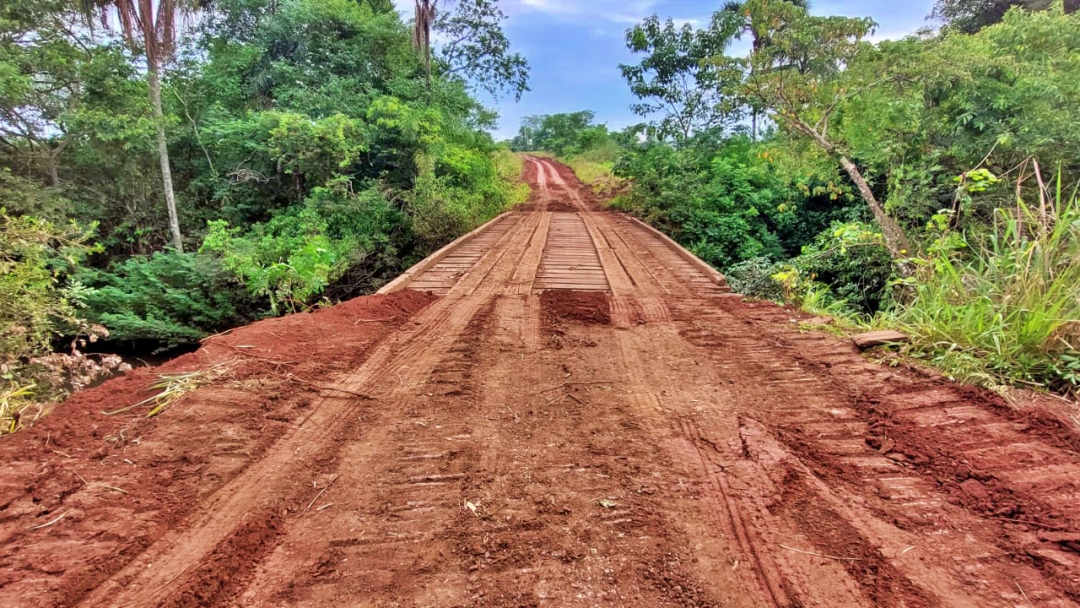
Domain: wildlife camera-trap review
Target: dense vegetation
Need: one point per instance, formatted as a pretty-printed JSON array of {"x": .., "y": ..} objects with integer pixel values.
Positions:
[
  {"x": 928, "y": 183},
  {"x": 168, "y": 184}
]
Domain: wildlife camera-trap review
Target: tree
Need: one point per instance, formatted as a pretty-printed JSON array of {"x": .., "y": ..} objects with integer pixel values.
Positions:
[
  {"x": 558, "y": 133},
  {"x": 970, "y": 16},
  {"x": 795, "y": 76},
  {"x": 154, "y": 30},
  {"x": 674, "y": 79},
  {"x": 735, "y": 16},
  {"x": 477, "y": 48},
  {"x": 41, "y": 57}
]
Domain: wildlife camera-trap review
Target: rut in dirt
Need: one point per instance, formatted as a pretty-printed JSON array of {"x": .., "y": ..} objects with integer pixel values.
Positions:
[{"x": 563, "y": 408}]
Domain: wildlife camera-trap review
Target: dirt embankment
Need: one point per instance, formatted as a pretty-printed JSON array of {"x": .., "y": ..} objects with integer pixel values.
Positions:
[{"x": 117, "y": 483}]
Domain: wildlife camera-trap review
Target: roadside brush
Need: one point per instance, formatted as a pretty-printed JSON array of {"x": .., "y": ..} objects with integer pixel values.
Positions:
[{"x": 172, "y": 387}]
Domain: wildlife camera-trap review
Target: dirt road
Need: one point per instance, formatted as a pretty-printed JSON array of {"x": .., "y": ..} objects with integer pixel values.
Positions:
[{"x": 584, "y": 416}]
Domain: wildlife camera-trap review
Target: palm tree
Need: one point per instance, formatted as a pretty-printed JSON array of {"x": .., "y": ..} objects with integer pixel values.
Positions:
[
  {"x": 425, "y": 19},
  {"x": 155, "y": 30}
]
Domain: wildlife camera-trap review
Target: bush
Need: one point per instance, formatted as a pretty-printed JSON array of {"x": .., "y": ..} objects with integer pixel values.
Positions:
[
  {"x": 721, "y": 203},
  {"x": 1003, "y": 306},
  {"x": 171, "y": 298},
  {"x": 510, "y": 166},
  {"x": 852, "y": 261},
  {"x": 38, "y": 301},
  {"x": 754, "y": 278},
  {"x": 290, "y": 260}
]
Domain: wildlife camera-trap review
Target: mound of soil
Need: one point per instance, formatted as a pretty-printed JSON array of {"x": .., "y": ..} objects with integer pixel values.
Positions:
[
  {"x": 585, "y": 307},
  {"x": 119, "y": 482}
]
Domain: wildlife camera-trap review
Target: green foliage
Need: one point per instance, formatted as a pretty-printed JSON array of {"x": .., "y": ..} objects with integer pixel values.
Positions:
[
  {"x": 1003, "y": 306},
  {"x": 596, "y": 173},
  {"x": 674, "y": 79},
  {"x": 478, "y": 48},
  {"x": 755, "y": 278},
  {"x": 723, "y": 200},
  {"x": 40, "y": 66},
  {"x": 851, "y": 259},
  {"x": 561, "y": 134},
  {"x": 970, "y": 16},
  {"x": 38, "y": 301},
  {"x": 509, "y": 166},
  {"x": 169, "y": 298},
  {"x": 294, "y": 257},
  {"x": 22, "y": 196}
]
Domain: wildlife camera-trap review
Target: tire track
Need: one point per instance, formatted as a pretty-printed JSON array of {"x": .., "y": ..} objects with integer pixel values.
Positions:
[
  {"x": 826, "y": 437},
  {"x": 695, "y": 452}
]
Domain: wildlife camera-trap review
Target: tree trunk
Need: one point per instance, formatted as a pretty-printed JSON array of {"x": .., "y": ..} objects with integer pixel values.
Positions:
[
  {"x": 163, "y": 155},
  {"x": 54, "y": 169},
  {"x": 753, "y": 125},
  {"x": 896, "y": 240}
]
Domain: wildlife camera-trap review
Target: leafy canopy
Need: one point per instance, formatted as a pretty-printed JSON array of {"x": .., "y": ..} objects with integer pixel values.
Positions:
[{"x": 674, "y": 81}]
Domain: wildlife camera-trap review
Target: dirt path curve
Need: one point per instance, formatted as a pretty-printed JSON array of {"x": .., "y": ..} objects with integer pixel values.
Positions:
[{"x": 586, "y": 416}]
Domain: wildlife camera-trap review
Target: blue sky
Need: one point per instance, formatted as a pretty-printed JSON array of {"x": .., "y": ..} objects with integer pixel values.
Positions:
[{"x": 575, "y": 47}]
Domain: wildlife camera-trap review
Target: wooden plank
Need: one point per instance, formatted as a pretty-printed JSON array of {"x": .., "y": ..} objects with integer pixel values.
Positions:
[
  {"x": 420, "y": 267},
  {"x": 878, "y": 338},
  {"x": 697, "y": 262}
]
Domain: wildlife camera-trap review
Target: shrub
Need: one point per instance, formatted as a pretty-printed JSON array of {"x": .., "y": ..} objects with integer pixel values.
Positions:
[
  {"x": 1003, "y": 306},
  {"x": 169, "y": 297},
  {"x": 38, "y": 301},
  {"x": 754, "y": 278},
  {"x": 851, "y": 259},
  {"x": 290, "y": 260}
]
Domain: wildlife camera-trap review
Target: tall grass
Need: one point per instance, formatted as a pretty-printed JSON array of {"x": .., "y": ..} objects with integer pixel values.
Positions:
[
  {"x": 1003, "y": 307},
  {"x": 15, "y": 402},
  {"x": 509, "y": 166},
  {"x": 595, "y": 168}
]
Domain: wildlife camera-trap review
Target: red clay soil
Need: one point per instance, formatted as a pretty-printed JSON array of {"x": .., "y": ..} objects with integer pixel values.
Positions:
[
  {"x": 658, "y": 446},
  {"x": 589, "y": 307},
  {"x": 121, "y": 481},
  {"x": 529, "y": 173}
]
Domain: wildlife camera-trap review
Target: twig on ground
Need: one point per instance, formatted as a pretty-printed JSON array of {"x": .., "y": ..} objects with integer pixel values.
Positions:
[
  {"x": 559, "y": 398},
  {"x": 222, "y": 333},
  {"x": 46, "y": 525},
  {"x": 292, "y": 378},
  {"x": 843, "y": 559},
  {"x": 254, "y": 356},
  {"x": 374, "y": 320},
  {"x": 115, "y": 489},
  {"x": 572, "y": 396},
  {"x": 1021, "y": 590},
  {"x": 569, "y": 383},
  {"x": 327, "y": 487}
]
